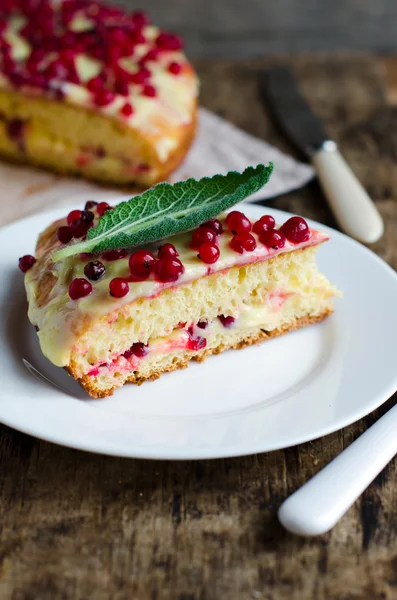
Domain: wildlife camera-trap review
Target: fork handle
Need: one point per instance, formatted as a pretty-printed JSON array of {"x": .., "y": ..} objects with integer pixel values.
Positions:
[
  {"x": 353, "y": 208},
  {"x": 318, "y": 505}
]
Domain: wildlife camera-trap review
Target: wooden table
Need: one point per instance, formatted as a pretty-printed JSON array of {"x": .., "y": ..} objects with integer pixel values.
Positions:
[
  {"x": 233, "y": 29},
  {"x": 77, "y": 526}
]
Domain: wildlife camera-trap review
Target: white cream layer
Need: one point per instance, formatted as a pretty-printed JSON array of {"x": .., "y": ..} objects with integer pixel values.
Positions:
[{"x": 59, "y": 318}]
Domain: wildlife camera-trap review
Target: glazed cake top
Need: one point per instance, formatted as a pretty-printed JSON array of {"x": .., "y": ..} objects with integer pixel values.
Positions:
[
  {"x": 100, "y": 57},
  {"x": 59, "y": 315}
]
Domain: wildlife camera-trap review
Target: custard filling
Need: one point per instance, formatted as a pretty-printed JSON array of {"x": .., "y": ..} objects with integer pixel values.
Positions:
[{"x": 194, "y": 337}]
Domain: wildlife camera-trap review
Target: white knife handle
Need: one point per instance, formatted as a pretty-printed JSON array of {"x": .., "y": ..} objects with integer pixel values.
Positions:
[
  {"x": 353, "y": 208},
  {"x": 321, "y": 502}
]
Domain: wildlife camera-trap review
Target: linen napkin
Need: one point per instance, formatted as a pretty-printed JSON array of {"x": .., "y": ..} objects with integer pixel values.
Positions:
[{"x": 218, "y": 148}]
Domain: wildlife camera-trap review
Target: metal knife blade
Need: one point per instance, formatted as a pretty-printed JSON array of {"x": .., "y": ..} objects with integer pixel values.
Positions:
[
  {"x": 353, "y": 208},
  {"x": 278, "y": 86}
]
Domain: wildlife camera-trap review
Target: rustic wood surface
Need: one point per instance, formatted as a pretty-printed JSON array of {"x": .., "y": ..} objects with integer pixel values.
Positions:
[
  {"x": 251, "y": 28},
  {"x": 75, "y": 526}
]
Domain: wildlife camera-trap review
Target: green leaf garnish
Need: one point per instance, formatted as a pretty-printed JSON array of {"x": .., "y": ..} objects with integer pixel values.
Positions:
[{"x": 167, "y": 209}]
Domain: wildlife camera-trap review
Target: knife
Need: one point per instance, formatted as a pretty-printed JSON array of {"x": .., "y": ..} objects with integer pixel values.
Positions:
[{"x": 352, "y": 207}]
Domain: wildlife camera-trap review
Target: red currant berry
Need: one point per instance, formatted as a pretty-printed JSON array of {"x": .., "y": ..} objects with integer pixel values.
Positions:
[
  {"x": 197, "y": 343},
  {"x": 167, "y": 250},
  {"x": 94, "y": 270},
  {"x": 169, "y": 269},
  {"x": 87, "y": 216},
  {"x": 64, "y": 234},
  {"x": 138, "y": 349},
  {"x": 174, "y": 68},
  {"x": 137, "y": 37},
  {"x": 127, "y": 109},
  {"x": 141, "y": 264},
  {"x": 272, "y": 239},
  {"x": 140, "y": 76},
  {"x": 15, "y": 130},
  {"x": 215, "y": 225},
  {"x": 90, "y": 204},
  {"x": 26, "y": 262},
  {"x": 73, "y": 216},
  {"x": 119, "y": 287},
  {"x": 264, "y": 224},
  {"x": 237, "y": 222},
  {"x": 296, "y": 230},
  {"x": 244, "y": 241},
  {"x": 79, "y": 288},
  {"x": 114, "y": 254},
  {"x": 102, "y": 208},
  {"x": 202, "y": 324},
  {"x": 139, "y": 18},
  {"x": 103, "y": 97},
  {"x": 209, "y": 253},
  {"x": 151, "y": 55},
  {"x": 202, "y": 235},
  {"x": 226, "y": 321},
  {"x": 236, "y": 245},
  {"x": 121, "y": 87},
  {"x": 168, "y": 41},
  {"x": 248, "y": 242},
  {"x": 149, "y": 91},
  {"x": 95, "y": 84},
  {"x": 79, "y": 228}
]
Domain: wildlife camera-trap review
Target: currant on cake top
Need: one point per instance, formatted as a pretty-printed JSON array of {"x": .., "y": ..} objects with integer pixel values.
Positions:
[
  {"x": 165, "y": 263},
  {"x": 86, "y": 51},
  {"x": 169, "y": 235}
]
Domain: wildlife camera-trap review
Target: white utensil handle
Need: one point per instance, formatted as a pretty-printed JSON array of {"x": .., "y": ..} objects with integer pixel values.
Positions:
[
  {"x": 353, "y": 208},
  {"x": 321, "y": 502}
]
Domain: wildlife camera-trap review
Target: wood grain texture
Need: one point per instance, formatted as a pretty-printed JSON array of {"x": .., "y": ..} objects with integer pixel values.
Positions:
[
  {"x": 75, "y": 526},
  {"x": 251, "y": 28}
]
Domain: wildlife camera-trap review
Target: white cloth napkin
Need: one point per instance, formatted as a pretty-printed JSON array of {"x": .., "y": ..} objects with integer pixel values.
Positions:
[
  {"x": 218, "y": 148},
  {"x": 221, "y": 147}
]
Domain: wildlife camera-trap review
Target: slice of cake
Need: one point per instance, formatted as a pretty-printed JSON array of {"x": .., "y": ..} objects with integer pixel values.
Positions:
[
  {"x": 89, "y": 89},
  {"x": 130, "y": 315}
]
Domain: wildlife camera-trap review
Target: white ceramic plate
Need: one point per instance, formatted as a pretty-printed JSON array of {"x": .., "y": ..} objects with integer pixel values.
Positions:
[{"x": 289, "y": 390}]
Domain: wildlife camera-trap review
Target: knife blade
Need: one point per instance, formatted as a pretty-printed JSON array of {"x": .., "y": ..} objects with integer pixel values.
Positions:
[
  {"x": 291, "y": 110},
  {"x": 353, "y": 209}
]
